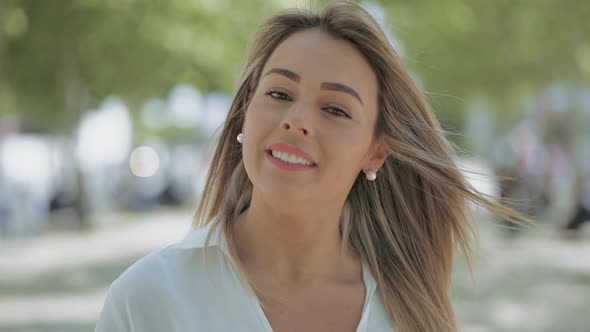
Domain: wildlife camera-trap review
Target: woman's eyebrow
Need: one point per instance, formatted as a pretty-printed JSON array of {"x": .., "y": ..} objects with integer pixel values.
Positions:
[
  {"x": 325, "y": 85},
  {"x": 285, "y": 72},
  {"x": 341, "y": 87}
]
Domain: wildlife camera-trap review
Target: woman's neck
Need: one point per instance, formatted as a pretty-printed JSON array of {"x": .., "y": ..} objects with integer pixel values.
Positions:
[{"x": 293, "y": 244}]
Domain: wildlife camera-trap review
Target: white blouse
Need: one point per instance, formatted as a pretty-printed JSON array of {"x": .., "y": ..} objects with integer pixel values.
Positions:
[{"x": 181, "y": 289}]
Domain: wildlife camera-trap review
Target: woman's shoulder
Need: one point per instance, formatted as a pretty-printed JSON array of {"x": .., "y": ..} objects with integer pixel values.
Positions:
[
  {"x": 146, "y": 271},
  {"x": 163, "y": 267},
  {"x": 161, "y": 281}
]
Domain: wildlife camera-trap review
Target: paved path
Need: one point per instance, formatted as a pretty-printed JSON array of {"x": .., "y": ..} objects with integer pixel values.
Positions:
[{"x": 58, "y": 282}]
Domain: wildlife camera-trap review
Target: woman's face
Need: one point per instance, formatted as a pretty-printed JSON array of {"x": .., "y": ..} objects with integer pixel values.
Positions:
[{"x": 315, "y": 108}]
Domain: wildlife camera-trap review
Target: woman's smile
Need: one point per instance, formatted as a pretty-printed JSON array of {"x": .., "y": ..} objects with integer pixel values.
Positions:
[{"x": 290, "y": 158}]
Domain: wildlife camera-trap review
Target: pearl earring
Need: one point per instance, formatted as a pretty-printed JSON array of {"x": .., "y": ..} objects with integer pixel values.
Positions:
[
  {"x": 371, "y": 175},
  {"x": 240, "y": 138}
]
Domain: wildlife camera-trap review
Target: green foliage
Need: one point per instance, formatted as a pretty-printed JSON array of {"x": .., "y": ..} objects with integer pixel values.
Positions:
[
  {"x": 504, "y": 50},
  {"x": 68, "y": 55},
  {"x": 60, "y": 57}
]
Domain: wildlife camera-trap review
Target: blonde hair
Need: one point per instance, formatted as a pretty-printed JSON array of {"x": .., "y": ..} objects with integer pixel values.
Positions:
[{"x": 406, "y": 224}]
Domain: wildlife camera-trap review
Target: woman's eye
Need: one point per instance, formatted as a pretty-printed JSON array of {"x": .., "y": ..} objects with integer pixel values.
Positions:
[
  {"x": 277, "y": 95},
  {"x": 336, "y": 111}
]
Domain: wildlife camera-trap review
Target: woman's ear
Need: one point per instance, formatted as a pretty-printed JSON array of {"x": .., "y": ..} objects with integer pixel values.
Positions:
[{"x": 377, "y": 156}]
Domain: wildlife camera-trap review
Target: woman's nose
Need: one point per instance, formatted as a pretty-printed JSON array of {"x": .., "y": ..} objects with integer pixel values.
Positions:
[{"x": 298, "y": 118}]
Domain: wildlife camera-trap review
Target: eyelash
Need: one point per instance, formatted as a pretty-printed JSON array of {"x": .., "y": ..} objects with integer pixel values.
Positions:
[{"x": 283, "y": 96}]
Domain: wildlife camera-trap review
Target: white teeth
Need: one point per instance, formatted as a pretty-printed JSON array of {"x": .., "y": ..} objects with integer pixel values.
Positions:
[{"x": 288, "y": 158}]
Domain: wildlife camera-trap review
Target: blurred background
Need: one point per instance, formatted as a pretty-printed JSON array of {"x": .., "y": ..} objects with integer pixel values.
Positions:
[{"x": 108, "y": 109}]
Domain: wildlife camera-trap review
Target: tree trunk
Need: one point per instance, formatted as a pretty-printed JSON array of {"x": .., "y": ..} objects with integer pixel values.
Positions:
[{"x": 73, "y": 103}]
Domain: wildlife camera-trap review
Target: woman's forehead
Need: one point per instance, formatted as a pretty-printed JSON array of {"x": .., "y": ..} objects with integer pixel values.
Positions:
[{"x": 316, "y": 57}]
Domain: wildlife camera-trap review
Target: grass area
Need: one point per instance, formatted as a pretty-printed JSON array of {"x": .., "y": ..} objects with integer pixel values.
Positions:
[
  {"x": 73, "y": 327},
  {"x": 71, "y": 280}
]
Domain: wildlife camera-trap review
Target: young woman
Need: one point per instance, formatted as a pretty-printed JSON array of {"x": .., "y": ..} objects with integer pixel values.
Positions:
[{"x": 332, "y": 203}]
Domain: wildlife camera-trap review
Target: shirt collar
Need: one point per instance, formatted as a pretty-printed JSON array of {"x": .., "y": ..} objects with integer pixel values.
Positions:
[{"x": 197, "y": 239}]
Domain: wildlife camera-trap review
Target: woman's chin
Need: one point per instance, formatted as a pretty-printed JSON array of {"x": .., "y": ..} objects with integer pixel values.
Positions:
[{"x": 286, "y": 196}]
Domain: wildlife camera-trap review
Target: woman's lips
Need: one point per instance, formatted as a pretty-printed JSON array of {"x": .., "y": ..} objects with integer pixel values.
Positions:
[
  {"x": 292, "y": 150},
  {"x": 288, "y": 166}
]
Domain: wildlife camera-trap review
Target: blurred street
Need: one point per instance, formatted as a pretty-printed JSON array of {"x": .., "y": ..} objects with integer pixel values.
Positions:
[
  {"x": 534, "y": 281},
  {"x": 58, "y": 282}
]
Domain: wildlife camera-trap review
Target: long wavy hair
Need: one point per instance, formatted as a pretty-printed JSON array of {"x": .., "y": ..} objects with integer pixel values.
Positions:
[{"x": 408, "y": 223}]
